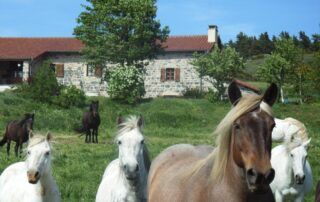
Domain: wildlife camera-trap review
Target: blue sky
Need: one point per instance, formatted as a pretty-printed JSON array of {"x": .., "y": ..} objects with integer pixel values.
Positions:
[{"x": 36, "y": 18}]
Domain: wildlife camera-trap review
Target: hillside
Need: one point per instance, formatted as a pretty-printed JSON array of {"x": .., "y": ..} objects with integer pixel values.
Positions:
[{"x": 78, "y": 167}]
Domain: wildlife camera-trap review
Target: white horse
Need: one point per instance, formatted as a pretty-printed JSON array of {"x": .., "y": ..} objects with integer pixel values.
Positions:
[
  {"x": 31, "y": 181},
  {"x": 293, "y": 174},
  {"x": 125, "y": 178},
  {"x": 288, "y": 128}
]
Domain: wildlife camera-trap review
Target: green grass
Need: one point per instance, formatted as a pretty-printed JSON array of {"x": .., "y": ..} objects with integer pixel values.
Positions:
[{"x": 78, "y": 167}]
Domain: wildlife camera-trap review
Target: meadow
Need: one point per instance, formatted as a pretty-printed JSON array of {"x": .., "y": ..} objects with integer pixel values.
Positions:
[{"x": 78, "y": 167}]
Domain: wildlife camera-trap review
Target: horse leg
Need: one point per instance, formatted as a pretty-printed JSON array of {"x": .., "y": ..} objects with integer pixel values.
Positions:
[
  {"x": 88, "y": 138},
  {"x": 16, "y": 149},
  {"x": 300, "y": 197},
  {"x": 8, "y": 147},
  {"x": 96, "y": 133},
  {"x": 20, "y": 149}
]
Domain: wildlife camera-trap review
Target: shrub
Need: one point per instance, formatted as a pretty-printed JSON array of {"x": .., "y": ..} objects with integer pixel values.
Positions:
[
  {"x": 193, "y": 93},
  {"x": 126, "y": 84},
  {"x": 44, "y": 85},
  {"x": 70, "y": 96},
  {"x": 212, "y": 96}
]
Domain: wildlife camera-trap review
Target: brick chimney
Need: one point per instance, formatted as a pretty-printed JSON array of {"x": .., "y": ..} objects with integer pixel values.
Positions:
[{"x": 213, "y": 34}]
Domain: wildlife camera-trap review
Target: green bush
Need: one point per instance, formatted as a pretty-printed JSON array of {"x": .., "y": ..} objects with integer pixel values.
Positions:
[
  {"x": 44, "y": 85},
  {"x": 193, "y": 93},
  {"x": 126, "y": 84},
  {"x": 70, "y": 96},
  {"x": 212, "y": 96}
]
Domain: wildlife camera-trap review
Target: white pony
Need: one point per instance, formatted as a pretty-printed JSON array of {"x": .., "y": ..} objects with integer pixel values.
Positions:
[
  {"x": 125, "y": 178},
  {"x": 288, "y": 128},
  {"x": 31, "y": 181},
  {"x": 293, "y": 174}
]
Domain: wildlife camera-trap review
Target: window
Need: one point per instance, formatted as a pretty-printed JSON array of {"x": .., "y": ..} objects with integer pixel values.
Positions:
[
  {"x": 94, "y": 70},
  {"x": 58, "y": 69},
  {"x": 170, "y": 74}
]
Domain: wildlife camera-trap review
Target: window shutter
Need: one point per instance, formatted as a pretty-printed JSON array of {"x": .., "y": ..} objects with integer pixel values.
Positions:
[
  {"x": 60, "y": 70},
  {"x": 177, "y": 74},
  {"x": 163, "y": 75},
  {"x": 98, "y": 71}
]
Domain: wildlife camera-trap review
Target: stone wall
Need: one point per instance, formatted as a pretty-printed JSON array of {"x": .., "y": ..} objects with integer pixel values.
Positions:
[
  {"x": 189, "y": 78},
  {"x": 75, "y": 73}
]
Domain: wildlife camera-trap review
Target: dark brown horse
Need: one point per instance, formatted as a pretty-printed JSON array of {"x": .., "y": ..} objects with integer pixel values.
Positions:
[
  {"x": 236, "y": 168},
  {"x": 18, "y": 131},
  {"x": 317, "y": 197},
  {"x": 91, "y": 122}
]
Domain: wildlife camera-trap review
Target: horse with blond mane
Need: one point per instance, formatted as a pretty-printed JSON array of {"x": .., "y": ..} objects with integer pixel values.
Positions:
[
  {"x": 289, "y": 129},
  {"x": 31, "y": 181},
  {"x": 237, "y": 168}
]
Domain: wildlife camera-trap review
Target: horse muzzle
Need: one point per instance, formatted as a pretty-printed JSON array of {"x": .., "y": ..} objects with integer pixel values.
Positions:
[
  {"x": 259, "y": 182},
  {"x": 131, "y": 173},
  {"x": 299, "y": 179},
  {"x": 33, "y": 177}
]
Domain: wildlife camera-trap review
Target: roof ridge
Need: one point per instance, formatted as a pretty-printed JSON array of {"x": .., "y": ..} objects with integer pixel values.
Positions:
[{"x": 187, "y": 36}]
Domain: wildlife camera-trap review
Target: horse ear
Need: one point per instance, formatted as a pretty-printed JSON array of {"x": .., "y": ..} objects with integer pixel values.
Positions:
[
  {"x": 140, "y": 121},
  {"x": 31, "y": 134},
  {"x": 119, "y": 120},
  {"x": 49, "y": 136},
  {"x": 305, "y": 144},
  {"x": 234, "y": 93},
  {"x": 271, "y": 94}
]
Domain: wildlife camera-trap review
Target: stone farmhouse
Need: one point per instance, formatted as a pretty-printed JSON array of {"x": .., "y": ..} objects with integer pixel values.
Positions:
[{"x": 170, "y": 74}]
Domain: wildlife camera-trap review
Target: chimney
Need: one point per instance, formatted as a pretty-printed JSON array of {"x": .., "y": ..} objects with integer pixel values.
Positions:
[{"x": 213, "y": 34}]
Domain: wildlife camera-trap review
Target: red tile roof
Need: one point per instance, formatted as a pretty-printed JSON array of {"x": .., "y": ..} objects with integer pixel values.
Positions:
[
  {"x": 30, "y": 48},
  {"x": 187, "y": 43}
]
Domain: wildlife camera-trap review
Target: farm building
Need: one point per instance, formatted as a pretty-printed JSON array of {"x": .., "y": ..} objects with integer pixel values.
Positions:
[{"x": 169, "y": 74}]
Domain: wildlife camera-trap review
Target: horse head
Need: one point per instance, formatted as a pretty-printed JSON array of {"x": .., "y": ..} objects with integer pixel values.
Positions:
[
  {"x": 298, "y": 156},
  {"x": 94, "y": 108},
  {"x": 131, "y": 145},
  {"x": 251, "y": 140},
  {"x": 38, "y": 157},
  {"x": 28, "y": 121}
]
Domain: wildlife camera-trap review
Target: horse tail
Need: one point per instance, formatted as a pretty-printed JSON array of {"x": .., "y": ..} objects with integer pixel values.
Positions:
[
  {"x": 4, "y": 140},
  {"x": 80, "y": 130}
]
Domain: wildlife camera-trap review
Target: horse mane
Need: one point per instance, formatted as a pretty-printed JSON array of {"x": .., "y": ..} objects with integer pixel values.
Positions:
[
  {"x": 129, "y": 124},
  {"x": 220, "y": 154},
  {"x": 146, "y": 158},
  {"x": 36, "y": 139},
  {"x": 22, "y": 121},
  {"x": 301, "y": 134}
]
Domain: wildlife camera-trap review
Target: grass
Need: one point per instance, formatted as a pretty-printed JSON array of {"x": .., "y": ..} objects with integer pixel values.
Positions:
[{"x": 78, "y": 167}]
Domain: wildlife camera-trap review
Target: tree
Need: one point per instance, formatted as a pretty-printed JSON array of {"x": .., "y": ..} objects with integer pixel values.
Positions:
[
  {"x": 305, "y": 42},
  {"x": 274, "y": 70},
  {"x": 220, "y": 65},
  {"x": 316, "y": 42},
  {"x": 265, "y": 44},
  {"x": 120, "y": 32}
]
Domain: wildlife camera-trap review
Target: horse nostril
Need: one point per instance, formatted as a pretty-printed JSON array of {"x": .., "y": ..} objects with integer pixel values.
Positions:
[
  {"x": 251, "y": 172},
  {"x": 137, "y": 168},
  {"x": 303, "y": 177},
  {"x": 125, "y": 167},
  {"x": 36, "y": 174},
  {"x": 252, "y": 176},
  {"x": 269, "y": 176}
]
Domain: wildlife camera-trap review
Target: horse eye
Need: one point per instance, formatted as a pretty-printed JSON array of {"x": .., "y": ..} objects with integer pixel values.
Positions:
[
  {"x": 47, "y": 153},
  {"x": 291, "y": 155},
  {"x": 306, "y": 156},
  {"x": 119, "y": 142},
  {"x": 142, "y": 141},
  {"x": 29, "y": 152},
  {"x": 237, "y": 126}
]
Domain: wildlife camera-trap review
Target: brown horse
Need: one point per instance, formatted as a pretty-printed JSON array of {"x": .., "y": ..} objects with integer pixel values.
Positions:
[
  {"x": 18, "y": 131},
  {"x": 317, "y": 197},
  {"x": 237, "y": 168},
  {"x": 91, "y": 122}
]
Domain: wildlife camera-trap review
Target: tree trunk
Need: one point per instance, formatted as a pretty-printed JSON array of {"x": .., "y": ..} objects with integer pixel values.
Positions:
[{"x": 300, "y": 88}]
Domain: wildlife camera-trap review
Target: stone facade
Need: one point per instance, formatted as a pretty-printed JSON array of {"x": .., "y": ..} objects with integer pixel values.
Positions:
[
  {"x": 76, "y": 73},
  {"x": 189, "y": 78}
]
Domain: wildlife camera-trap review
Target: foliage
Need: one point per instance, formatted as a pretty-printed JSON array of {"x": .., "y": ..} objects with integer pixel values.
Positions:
[
  {"x": 121, "y": 32},
  {"x": 126, "y": 84},
  {"x": 212, "y": 96},
  {"x": 220, "y": 65},
  {"x": 193, "y": 93},
  {"x": 44, "y": 85},
  {"x": 70, "y": 96}
]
